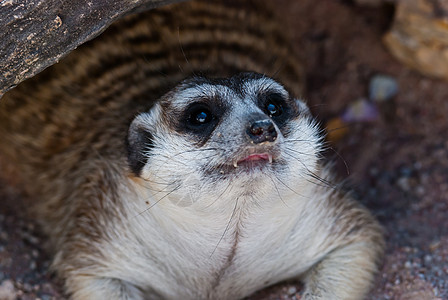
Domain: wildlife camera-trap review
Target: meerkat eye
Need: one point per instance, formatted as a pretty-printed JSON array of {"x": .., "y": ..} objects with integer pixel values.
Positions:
[
  {"x": 273, "y": 106},
  {"x": 199, "y": 114},
  {"x": 201, "y": 117}
]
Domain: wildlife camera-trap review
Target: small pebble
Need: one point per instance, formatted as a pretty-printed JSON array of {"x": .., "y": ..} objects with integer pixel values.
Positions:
[
  {"x": 420, "y": 190},
  {"x": 34, "y": 253},
  {"x": 361, "y": 110},
  {"x": 382, "y": 88},
  {"x": 30, "y": 239},
  {"x": 408, "y": 264},
  {"x": 33, "y": 265},
  {"x": 27, "y": 287},
  {"x": 292, "y": 290},
  {"x": 434, "y": 245},
  {"x": 404, "y": 184},
  {"x": 7, "y": 290}
]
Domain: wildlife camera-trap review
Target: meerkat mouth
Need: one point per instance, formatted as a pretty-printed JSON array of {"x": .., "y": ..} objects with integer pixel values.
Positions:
[{"x": 254, "y": 157}]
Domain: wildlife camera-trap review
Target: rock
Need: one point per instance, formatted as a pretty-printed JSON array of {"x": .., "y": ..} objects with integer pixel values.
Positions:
[
  {"x": 37, "y": 33},
  {"x": 360, "y": 110},
  {"x": 382, "y": 88},
  {"x": 419, "y": 36},
  {"x": 292, "y": 290},
  {"x": 7, "y": 290}
]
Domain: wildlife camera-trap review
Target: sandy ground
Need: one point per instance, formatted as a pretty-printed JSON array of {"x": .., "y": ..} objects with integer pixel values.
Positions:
[{"x": 397, "y": 164}]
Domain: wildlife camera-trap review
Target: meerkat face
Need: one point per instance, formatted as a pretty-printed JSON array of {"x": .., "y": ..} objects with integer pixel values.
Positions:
[{"x": 243, "y": 135}]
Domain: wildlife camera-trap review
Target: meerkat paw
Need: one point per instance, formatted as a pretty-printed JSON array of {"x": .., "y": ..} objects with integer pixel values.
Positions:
[
  {"x": 344, "y": 274},
  {"x": 92, "y": 288}
]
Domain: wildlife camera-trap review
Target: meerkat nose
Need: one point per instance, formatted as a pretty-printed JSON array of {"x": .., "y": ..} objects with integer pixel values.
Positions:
[{"x": 262, "y": 131}]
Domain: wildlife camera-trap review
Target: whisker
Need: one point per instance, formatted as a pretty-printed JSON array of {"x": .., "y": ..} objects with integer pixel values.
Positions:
[
  {"x": 325, "y": 183},
  {"x": 278, "y": 192},
  {"x": 169, "y": 193},
  {"x": 182, "y": 50},
  {"x": 289, "y": 188},
  {"x": 227, "y": 227},
  {"x": 347, "y": 169},
  {"x": 299, "y": 152},
  {"x": 220, "y": 195},
  {"x": 336, "y": 129}
]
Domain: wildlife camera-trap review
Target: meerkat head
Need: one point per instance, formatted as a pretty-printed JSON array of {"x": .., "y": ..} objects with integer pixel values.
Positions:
[{"x": 242, "y": 135}]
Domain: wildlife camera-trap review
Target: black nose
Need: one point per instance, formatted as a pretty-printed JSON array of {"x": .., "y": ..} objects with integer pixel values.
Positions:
[{"x": 262, "y": 131}]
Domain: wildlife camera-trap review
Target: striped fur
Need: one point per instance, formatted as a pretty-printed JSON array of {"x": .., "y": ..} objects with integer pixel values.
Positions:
[{"x": 106, "y": 82}]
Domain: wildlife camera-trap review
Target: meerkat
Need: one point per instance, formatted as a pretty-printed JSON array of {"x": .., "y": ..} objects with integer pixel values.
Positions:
[{"x": 164, "y": 161}]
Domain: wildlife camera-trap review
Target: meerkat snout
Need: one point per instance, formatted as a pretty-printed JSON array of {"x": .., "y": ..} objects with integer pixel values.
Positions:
[{"x": 261, "y": 131}]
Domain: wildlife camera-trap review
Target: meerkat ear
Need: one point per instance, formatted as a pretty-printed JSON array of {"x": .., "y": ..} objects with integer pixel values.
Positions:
[{"x": 139, "y": 142}]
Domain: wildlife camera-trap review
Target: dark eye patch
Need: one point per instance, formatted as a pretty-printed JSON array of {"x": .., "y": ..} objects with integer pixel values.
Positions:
[
  {"x": 275, "y": 106},
  {"x": 199, "y": 120}
]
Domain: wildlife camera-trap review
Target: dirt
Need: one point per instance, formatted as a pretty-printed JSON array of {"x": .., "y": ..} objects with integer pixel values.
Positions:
[{"x": 397, "y": 164}]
